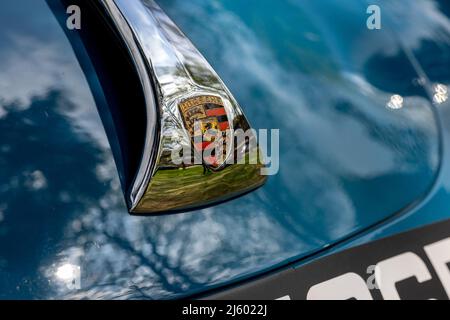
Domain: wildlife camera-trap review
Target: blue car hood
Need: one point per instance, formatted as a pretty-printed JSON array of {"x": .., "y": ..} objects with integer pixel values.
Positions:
[{"x": 348, "y": 158}]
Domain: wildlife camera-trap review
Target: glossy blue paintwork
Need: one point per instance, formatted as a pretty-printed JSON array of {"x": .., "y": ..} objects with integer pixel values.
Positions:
[{"x": 310, "y": 68}]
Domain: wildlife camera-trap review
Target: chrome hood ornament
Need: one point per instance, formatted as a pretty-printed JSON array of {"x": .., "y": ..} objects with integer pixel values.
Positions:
[{"x": 188, "y": 109}]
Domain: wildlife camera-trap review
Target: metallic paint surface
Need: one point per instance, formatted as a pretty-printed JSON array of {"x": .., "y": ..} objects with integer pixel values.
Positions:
[{"x": 306, "y": 67}]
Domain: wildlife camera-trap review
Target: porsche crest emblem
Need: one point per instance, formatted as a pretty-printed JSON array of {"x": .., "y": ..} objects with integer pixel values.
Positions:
[{"x": 206, "y": 120}]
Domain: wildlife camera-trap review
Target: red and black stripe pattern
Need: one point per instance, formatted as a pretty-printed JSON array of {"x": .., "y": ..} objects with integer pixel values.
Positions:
[{"x": 218, "y": 111}]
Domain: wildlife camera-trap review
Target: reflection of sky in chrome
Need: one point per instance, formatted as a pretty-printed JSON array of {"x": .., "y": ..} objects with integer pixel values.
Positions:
[{"x": 64, "y": 205}]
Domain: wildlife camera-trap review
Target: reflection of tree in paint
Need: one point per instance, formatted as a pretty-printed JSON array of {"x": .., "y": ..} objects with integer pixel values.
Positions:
[
  {"x": 42, "y": 160},
  {"x": 38, "y": 150},
  {"x": 61, "y": 204}
]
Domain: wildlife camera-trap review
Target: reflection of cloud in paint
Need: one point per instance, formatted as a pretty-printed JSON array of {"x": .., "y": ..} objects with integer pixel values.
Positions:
[
  {"x": 421, "y": 21},
  {"x": 31, "y": 69},
  {"x": 35, "y": 180}
]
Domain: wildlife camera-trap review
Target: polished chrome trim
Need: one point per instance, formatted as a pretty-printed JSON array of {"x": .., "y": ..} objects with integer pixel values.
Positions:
[
  {"x": 171, "y": 70},
  {"x": 145, "y": 169}
]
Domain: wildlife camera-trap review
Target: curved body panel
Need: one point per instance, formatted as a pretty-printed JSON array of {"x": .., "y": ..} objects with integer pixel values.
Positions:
[{"x": 352, "y": 168}]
